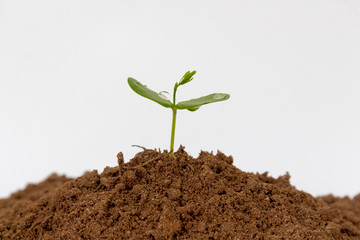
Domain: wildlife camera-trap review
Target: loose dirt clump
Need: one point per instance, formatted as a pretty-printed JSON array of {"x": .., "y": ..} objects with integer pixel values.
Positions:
[{"x": 155, "y": 196}]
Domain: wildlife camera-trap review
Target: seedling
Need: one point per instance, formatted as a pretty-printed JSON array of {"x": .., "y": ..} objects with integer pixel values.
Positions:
[{"x": 160, "y": 98}]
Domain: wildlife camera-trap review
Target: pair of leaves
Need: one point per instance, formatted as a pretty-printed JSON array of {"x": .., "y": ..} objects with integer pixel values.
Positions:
[{"x": 191, "y": 105}]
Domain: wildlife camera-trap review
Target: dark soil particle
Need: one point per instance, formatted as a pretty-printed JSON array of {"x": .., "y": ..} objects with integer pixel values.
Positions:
[{"x": 155, "y": 196}]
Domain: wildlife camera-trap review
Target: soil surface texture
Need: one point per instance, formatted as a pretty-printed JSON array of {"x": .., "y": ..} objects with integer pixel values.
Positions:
[{"x": 155, "y": 196}]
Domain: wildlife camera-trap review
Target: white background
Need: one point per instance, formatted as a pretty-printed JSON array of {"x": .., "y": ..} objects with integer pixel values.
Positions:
[{"x": 291, "y": 67}]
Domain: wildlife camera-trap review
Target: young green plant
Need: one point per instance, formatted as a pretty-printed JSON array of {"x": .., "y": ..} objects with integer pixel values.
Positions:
[{"x": 191, "y": 105}]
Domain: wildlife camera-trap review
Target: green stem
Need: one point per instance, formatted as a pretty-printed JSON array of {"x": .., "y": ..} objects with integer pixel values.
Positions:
[{"x": 174, "y": 110}]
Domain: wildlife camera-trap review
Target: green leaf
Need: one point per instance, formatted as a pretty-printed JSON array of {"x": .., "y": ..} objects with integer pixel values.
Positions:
[
  {"x": 142, "y": 90},
  {"x": 187, "y": 77},
  {"x": 194, "y": 104}
]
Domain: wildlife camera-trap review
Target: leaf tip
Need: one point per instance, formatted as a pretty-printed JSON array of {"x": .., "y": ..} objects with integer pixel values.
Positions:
[{"x": 221, "y": 96}]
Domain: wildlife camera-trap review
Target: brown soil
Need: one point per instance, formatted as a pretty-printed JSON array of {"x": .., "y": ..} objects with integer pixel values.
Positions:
[{"x": 155, "y": 196}]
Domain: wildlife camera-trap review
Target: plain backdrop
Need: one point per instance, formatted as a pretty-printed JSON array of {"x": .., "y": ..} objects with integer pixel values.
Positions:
[{"x": 292, "y": 69}]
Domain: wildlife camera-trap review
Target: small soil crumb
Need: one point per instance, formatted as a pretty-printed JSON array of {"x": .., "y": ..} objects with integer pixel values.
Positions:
[{"x": 155, "y": 196}]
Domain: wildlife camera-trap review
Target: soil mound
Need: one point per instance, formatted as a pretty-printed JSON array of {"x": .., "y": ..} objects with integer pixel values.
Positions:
[{"x": 155, "y": 196}]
